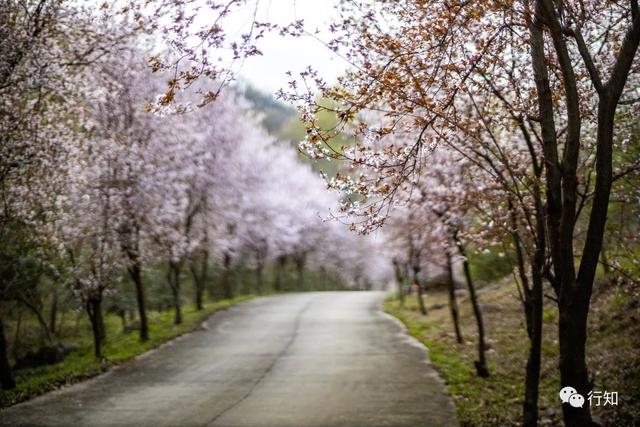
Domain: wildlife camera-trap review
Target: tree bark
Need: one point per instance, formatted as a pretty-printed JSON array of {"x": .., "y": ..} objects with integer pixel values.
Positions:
[
  {"x": 397, "y": 268},
  {"x": 94, "y": 310},
  {"x": 16, "y": 335},
  {"x": 60, "y": 330},
  {"x": 200, "y": 279},
  {"x": 572, "y": 330},
  {"x": 123, "y": 319},
  {"x": 575, "y": 295},
  {"x": 300, "y": 261},
  {"x": 533, "y": 305},
  {"x": 259, "y": 279},
  {"x": 226, "y": 282},
  {"x": 481, "y": 363},
  {"x": 199, "y": 296},
  {"x": 573, "y": 368},
  {"x": 553, "y": 175},
  {"x": 174, "y": 284},
  {"x": 280, "y": 265},
  {"x": 453, "y": 303},
  {"x": 6, "y": 376},
  {"x": 43, "y": 324},
  {"x": 53, "y": 314},
  {"x": 532, "y": 298},
  {"x": 130, "y": 244},
  {"x": 135, "y": 271},
  {"x": 416, "y": 281}
]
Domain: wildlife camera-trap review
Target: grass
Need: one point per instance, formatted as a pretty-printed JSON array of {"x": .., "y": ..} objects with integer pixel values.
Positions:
[
  {"x": 119, "y": 347},
  {"x": 613, "y": 353}
]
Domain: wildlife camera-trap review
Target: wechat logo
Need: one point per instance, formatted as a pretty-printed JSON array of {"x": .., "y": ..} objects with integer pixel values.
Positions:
[{"x": 571, "y": 396}]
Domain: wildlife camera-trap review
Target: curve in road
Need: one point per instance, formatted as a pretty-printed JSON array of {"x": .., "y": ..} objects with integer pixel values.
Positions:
[{"x": 301, "y": 360}]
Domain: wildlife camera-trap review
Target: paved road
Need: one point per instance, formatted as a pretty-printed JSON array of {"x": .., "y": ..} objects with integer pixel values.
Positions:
[{"x": 300, "y": 360}]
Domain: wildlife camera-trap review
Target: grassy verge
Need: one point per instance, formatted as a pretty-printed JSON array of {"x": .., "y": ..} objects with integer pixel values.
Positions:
[
  {"x": 119, "y": 347},
  {"x": 614, "y": 354}
]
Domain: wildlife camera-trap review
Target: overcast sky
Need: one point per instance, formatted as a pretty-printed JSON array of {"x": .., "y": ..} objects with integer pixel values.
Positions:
[{"x": 267, "y": 72}]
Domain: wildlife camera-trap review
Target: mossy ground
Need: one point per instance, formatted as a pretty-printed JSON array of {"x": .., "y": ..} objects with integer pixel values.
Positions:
[{"x": 613, "y": 353}]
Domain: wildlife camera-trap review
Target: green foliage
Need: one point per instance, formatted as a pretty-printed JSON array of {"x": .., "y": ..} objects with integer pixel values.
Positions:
[
  {"x": 613, "y": 353},
  {"x": 294, "y": 130},
  {"x": 275, "y": 114},
  {"x": 283, "y": 122},
  {"x": 490, "y": 265},
  {"x": 73, "y": 326},
  {"x": 20, "y": 269},
  {"x": 549, "y": 315},
  {"x": 244, "y": 279},
  {"x": 119, "y": 347},
  {"x": 479, "y": 401}
]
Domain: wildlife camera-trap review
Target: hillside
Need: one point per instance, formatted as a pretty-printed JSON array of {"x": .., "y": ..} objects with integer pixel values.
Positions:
[{"x": 613, "y": 353}]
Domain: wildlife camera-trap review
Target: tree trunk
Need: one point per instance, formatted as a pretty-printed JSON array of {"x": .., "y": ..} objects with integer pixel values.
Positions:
[
  {"x": 226, "y": 282},
  {"x": 199, "y": 296},
  {"x": 177, "y": 307},
  {"x": 416, "y": 281},
  {"x": 130, "y": 244},
  {"x": 43, "y": 324},
  {"x": 300, "y": 261},
  {"x": 17, "y": 335},
  {"x": 135, "y": 271},
  {"x": 174, "y": 284},
  {"x": 60, "y": 329},
  {"x": 94, "y": 310},
  {"x": 573, "y": 367},
  {"x": 532, "y": 302},
  {"x": 399, "y": 280},
  {"x": 53, "y": 314},
  {"x": 281, "y": 263},
  {"x": 200, "y": 279},
  {"x": 481, "y": 363},
  {"x": 575, "y": 297},
  {"x": 6, "y": 376},
  {"x": 123, "y": 319},
  {"x": 572, "y": 341},
  {"x": 259, "y": 279},
  {"x": 453, "y": 303},
  {"x": 533, "y": 305}
]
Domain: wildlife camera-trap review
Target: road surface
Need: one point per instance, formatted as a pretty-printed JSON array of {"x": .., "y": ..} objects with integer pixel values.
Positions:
[{"x": 301, "y": 360}]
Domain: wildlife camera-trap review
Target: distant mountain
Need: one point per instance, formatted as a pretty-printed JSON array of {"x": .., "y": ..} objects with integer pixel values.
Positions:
[
  {"x": 282, "y": 122},
  {"x": 276, "y": 113}
]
